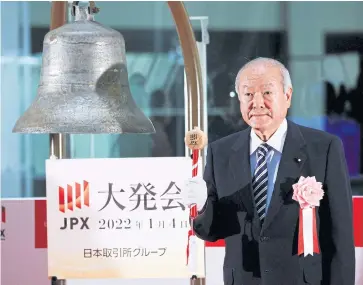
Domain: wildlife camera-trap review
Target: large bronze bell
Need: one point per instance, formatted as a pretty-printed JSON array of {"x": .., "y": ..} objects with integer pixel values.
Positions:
[{"x": 84, "y": 83}]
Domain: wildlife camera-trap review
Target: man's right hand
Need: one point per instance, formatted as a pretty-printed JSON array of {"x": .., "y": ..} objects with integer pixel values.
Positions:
[{"x": 195, "y": 192}]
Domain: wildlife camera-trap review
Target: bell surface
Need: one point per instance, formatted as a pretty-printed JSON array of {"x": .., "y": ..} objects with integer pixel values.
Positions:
[{"x": 84, "y": 85}]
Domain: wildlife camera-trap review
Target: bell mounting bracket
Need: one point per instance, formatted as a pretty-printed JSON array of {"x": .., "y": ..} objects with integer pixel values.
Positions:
[{"x": 92, "y": 9}]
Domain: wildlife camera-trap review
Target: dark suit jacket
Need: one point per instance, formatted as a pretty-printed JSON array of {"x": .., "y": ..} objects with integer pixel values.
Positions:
[{"x": 267, "y": 255}]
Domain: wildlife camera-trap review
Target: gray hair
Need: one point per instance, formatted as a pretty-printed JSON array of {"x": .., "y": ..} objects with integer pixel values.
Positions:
[{"x": 267, "y": 61}]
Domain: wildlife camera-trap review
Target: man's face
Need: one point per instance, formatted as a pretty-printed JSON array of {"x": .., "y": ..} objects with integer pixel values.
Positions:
[{"x": 263, "y": 102}]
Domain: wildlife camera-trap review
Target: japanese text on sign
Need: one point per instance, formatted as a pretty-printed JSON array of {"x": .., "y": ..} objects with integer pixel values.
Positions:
[{"x": 122, "y": 252}]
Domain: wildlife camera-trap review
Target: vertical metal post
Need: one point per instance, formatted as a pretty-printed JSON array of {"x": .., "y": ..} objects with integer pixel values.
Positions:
[
  {"x": 194, "y": 86},
  {"x": 202, "y": 50},
  {"x": 202, "y": 100},
  {"x": 58, "y": 143}
]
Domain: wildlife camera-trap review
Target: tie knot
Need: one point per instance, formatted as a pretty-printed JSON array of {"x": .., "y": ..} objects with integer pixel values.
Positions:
[{"x": 263, "y": 149}]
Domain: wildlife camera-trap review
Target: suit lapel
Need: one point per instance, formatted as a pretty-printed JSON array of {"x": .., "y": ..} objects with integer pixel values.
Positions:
[
  {"x": 290, "y": 169},
  {"x": 239, "y": 165}
]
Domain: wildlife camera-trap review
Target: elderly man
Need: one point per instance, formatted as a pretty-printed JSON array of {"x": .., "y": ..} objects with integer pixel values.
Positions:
[{"x": 247, "y": 198}]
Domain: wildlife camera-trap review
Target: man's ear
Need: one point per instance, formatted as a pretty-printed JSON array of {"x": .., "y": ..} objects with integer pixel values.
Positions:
[{"x": 288, "y": 95}]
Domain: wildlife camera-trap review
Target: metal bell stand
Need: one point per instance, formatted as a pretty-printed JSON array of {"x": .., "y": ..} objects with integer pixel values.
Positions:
[{"x": 193, "y": 76}]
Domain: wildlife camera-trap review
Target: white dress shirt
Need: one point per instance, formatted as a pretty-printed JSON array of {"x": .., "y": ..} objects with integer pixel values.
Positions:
[{"x": 276, "y": 142}]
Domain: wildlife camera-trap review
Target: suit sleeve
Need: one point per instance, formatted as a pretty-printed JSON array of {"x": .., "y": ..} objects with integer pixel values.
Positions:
[
  {"x": 211, "y": 223},
  {"x": 337, "y": 240}
]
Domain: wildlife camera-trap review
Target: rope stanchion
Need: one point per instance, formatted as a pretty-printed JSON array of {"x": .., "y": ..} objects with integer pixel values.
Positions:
[{"x": 195, "y": 140}]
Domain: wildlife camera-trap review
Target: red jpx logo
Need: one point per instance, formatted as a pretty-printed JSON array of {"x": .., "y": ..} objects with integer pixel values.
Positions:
[
  {"x": 3, "y": 214},
  {"x": 73, "y": 196}
]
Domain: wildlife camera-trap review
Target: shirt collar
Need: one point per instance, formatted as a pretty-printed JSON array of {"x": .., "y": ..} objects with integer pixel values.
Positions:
[{"x": 276, "y": 141}]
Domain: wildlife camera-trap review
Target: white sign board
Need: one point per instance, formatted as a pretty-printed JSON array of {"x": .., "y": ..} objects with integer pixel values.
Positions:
[{"x": 118, "y": 218}]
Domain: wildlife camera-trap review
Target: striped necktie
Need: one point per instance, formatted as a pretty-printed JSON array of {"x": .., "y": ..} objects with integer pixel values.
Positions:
[{"x": 260, "y": 181}]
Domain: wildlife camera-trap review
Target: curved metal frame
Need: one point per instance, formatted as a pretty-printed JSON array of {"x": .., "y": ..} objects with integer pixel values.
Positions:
[{"x": 193, "y": 73}]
